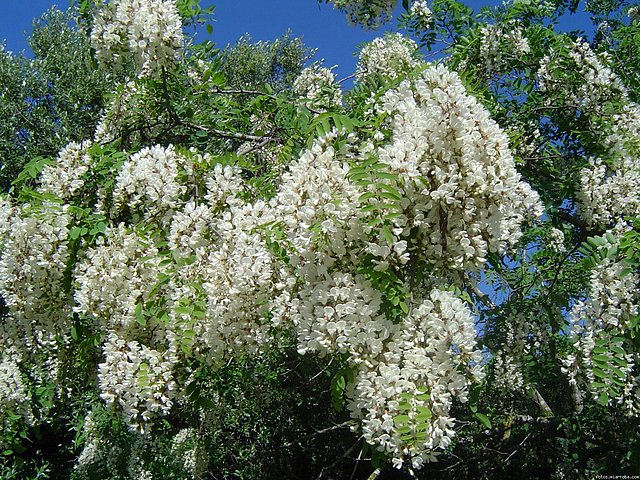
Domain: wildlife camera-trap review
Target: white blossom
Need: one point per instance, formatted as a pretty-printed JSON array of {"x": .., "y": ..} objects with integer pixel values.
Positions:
[
  {"x": 65, "y": 177},
  {"x": 136, "y": 378},
  {"x": 317, "y": 88},
  {"x": 147, "y": 31},
  {"x": 391, "y": 56}
]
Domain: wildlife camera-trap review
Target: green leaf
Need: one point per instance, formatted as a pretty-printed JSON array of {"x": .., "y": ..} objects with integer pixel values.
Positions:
[
  {"x": 366, "y": 196},
  {"x": 603, "y": 399},
  {"x": 388, "y": 236},
  {"x": 401, "y": 420},
  {"x": 183, "y": 310},
  {"x": 482, "y": 418}
]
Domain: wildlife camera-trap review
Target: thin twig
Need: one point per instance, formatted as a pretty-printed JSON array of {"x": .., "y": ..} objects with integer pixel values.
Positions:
[
  {"x": 516, "y": 449},
  {"x": 334, "y": 464},
  {"x": 348, "y": 423}
]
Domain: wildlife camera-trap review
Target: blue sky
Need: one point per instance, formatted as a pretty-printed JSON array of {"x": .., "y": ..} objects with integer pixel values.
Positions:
[{"x": 321, "y": 26}]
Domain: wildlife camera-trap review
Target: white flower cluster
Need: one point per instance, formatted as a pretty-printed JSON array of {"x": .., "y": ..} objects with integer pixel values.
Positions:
[
  {"x": 149, "y": 181},
  {"x": 556, "y": 240},
  {"x": 64, "y": 178},
  {"x": 190, "y": 232},
  {"x": 223, "y": 185},
  {"x": 421, "y": 12},
  {"x": 123, "y": 110},
  {"x": 463, "y": 194},
  {"x": 370, "y": 13},
  {"x": 608, "y": 192},
  {"x": 390, "y": 56},
  {"x": 318, "y": 208},
  {"x": 33, "y": 263},
  {"x": 137, "y": 378},
  {"x": 147, "y": 31},
  {"x": 316, "y": 86},
  {"x": 241, "y": 282},
  {"x": 14, "y": 397},
  {"x": 405, "y": 395},
  {"x": 114, "y": 277},
  {"x": 499, "y": 44},
  {"x": 524, "y": 336},
  {"x": 341, "y": 314},
  {"x": 634, "y": 13},
  {"x": 189, "y": 271},
  {"x": 594, "y": 84},
  {"x": 596, "y": 322}
]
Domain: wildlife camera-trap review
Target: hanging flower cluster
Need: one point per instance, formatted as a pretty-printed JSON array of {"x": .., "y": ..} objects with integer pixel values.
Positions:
[
  {"x": 499, "y": 44},
  {"x": 370, "y": 13},
  {"x": 316, "y": 86},
  {"x": 601, "y": 362},
  {"x": 392, "y": 56},
  {"x": 32, "y": 271},
  {"x": 592, "y": 85},
  {"x": 465, "y": 198},
  {"x": 148, "y": 32}
]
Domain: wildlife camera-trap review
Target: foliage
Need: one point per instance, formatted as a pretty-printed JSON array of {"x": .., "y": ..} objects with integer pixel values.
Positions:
[{"x": 49, "y": 100}]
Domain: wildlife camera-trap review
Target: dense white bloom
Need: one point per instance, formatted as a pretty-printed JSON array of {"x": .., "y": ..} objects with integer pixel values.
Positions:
[
  {"x": 608, "y": 192},
  {"x": 150, "y": 181},
  {"x": 391, "y": 56},
  {"x": 64, "y": 178},
  {"x": 430, "y": 360},
  {"x": 316, "y": 86},
  {"x": 136, "y": 378},
  {"x": 150, "y": 31},
  {"x": 318, "y": 208},
  {"x": 13, "y": 394},
  {"x": 341, "y": 314},
  {"x": 33, "y": 263},
  {"x": 223, "y": 185},
  {"x": 241, "y": 281},
  {"x": 455, "y": 170},
  {"x": 190, "y": 230},
  {"x": 114, "y": 277}
]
